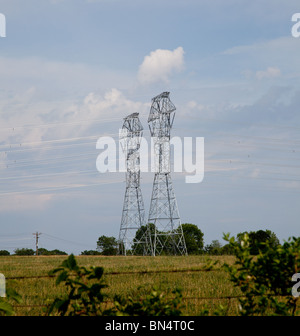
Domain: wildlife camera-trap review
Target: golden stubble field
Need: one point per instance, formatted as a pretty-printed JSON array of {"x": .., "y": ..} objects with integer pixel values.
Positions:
[{"x": 200, "y": 289}]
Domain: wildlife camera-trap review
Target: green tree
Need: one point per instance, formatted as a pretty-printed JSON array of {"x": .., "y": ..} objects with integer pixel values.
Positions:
[
  {"x": 90, "y": 252},
  {"x": 24, "y": 251},
  {"x": 141, "y": 237},
  {"x": 227, "y": 250},
  {"x": 57, "y": 252},
  {"x": 192, "y": 234},
  {"x": 193, "y": 237},
  {"x": 4, "y": 253},
  {"x": 43, "y": 251},
  {"x": 258, "y": 240},
  {"x": 214, "y": 248},
  {"x": 107, "y": 245}
]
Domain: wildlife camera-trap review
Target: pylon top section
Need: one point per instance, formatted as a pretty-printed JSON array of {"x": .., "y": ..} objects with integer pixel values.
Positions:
[
  {"x": 132, "y": 125},
  {"x": 160, "y": 119},
  {"x": 130, "y": 138}
]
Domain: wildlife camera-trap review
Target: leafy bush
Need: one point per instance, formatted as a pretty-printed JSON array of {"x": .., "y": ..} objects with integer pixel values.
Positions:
[
  {"x": 258, "y": 238},
  {"x": 154, "y": 304},
  {"x": 265, "y": 280},
  {"x": 6, "y": 307},
  {"x": 85, "y": 295}
]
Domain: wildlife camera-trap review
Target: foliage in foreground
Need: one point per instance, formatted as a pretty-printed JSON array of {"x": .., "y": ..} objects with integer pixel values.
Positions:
[
  {"x": 265, "y": 280},
  {"x": 6, "y": 307},
  {"x": 85, "y": 296},
  {"x": 156, "y": 303}
]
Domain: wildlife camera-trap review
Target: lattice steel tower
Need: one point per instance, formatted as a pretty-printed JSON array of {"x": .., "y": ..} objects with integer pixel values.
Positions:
[
  {"x": 133, "y": 208},
  {"x": 166, "y": 235}
]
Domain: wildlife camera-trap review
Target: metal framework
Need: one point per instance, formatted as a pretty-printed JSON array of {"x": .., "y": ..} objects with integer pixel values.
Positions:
[
  {"x": 133, "y": 208},
  {"x": 166, "y": 234}
]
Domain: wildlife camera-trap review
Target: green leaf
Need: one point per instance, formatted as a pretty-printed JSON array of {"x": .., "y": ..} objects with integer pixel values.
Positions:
[
  {"x": 6, "y": 308},
  {"x": 72, "y": 263},
  {"x": 61, "y": 277},
  {"x": 12, "y": 294}
]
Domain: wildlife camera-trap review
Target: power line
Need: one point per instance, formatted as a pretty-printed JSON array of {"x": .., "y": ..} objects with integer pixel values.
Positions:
[
  {"x": 105, "y": 120},
  {"x": 34, "y": 177},
  {"x": 17, "y": 145},
  {"x": 57, "y": 188},
  {"x": 49, "y": 125},
  {"x": 201, "y": 118},
  {"x": 64, "y": 240}
]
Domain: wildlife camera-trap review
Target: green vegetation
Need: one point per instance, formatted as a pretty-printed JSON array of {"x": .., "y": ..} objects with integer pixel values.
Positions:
[
  {"x": 126, "y": 277},
  {"x": 193, "y": 238},
  {"x": 107, "y": 245},
  {"x": 265, "y": 280},
  {"x": 43, "y": 251},
  {"x": 255, "y": 280},
  {"x": 84, "y": 297},
  {"x": 24, "y": 251},
  {"x": 194, "y": 242},
  {"x": 156, "y": 303},
  {"x": 6, "y": 307}
]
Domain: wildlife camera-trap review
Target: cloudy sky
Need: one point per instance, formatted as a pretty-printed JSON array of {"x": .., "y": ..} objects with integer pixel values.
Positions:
[{"x": 70, "y": 70}]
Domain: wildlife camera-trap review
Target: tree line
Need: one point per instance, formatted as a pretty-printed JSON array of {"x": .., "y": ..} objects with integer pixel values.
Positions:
[
  {"x": 30, "y": 252},
  {"x": 194, "y": 240}
]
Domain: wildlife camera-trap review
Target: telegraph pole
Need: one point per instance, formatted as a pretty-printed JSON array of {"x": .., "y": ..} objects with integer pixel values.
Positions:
[{"x": 37, "y": 235}]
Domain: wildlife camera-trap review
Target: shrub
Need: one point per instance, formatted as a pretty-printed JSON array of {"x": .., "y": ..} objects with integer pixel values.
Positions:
[
  {"x": 6, "y": 307},
  {"x": 156, "y": 303},
  {"x": 265, "y": 280},
  {"x": 85, "y": 296}
]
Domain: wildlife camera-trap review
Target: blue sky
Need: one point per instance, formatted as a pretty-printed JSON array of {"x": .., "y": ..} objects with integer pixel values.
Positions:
[{"x": 71, "y": 70}]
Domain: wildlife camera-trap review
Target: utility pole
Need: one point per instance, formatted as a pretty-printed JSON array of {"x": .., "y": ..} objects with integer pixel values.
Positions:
[{"x": 37, "y": 235}]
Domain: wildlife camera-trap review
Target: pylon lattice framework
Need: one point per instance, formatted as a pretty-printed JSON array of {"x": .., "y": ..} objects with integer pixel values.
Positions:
[
  {"x": 166, "y": 235},
  {"x": 133, "y": 213}
]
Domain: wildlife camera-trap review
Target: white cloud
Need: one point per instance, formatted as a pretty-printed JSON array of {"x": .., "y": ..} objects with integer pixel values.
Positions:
[
  {"x": 270, "y": 72},
  {"x": 24, "y": 108},
  {"x": 282, "y": 53},
  {"x": 112, "y": 104},
  {"x": 160, "y": 64}
]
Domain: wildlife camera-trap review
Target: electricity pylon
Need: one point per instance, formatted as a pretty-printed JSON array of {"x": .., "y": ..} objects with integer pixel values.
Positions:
[
  {"x": 133, "y": 214},
  {"x": 166, "y": 234}
]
